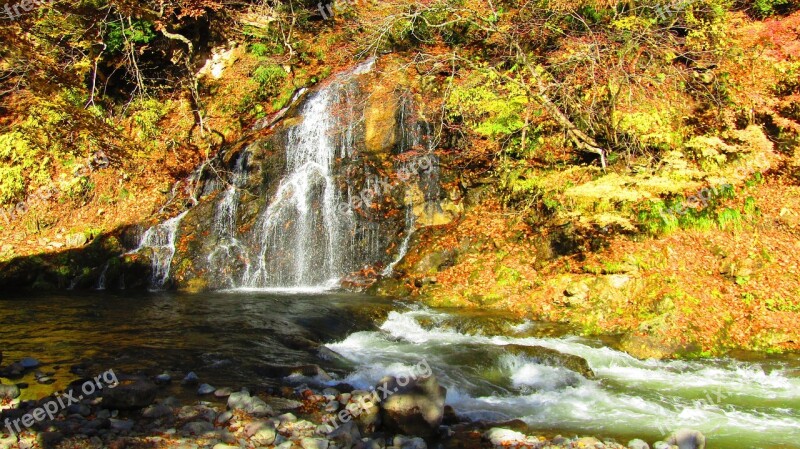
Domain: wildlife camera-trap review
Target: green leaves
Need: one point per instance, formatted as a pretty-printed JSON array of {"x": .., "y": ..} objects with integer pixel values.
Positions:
[
  {"x": 490, "y": 108},
  {"x": 136, "y": 32}
]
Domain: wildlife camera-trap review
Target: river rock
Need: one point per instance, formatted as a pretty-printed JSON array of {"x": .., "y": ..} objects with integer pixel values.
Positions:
[
  {"x": 121, "y": 425},
  {"x": 197, "y": 427},
  {"x": 346, "y": 435},
  {"x": 163, "y": 379},
  {"x": 223, "y": 418},
  {"x": 314, "y": 443},
  {"x": 205, "y": 389},
  {"x": 505, "y": 437},
  {"x": 416, "y": 408},
  {"x": 404, "y": 442},
  {"x": 222, "y": 392},
  {"x": 190, "y": 379},
  {"x": 687, "y": 439},
  {"x": 156, "y": 411},
  {"x": 252, "y": 405},
  {"x": 551, "y": 357},
  {"x": 363, "y": 407},
  {"x": 264, "y": 436},
  {"x": 129, "y": 396},
  {"x": 281, "y": 371},
  {"x": 49, "y": 439},
  {"x": 638, "y": 444},
  {"x": 9, "y": 391},
  {"x": 29, "y": 363}
]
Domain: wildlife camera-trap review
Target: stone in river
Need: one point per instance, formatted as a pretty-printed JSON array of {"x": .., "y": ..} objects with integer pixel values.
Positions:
[
  {"x": 222, "y": 392},
  {"x": 415, "y": 408},
  {"x": 224, "y": 417},
  {"x": 191, "y": 379},
  {"x": 314, "y": 443},
  {"x": 205, "y": 389},
  {"x": 687, "y": 439},
  {"x": 9, "y": 391},
  {"x": 163, "y": 379},
  {"x": 638, "y": 444},
  {"x": 156, "y": 411},
  {"x": 29, "y": 363},
  {"x": 138, "y": 394},
  {"x": 121, "y": 425}
]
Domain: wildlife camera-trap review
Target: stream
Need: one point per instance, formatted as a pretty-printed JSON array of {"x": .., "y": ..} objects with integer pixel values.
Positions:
[{"x": 749, "y": 402}]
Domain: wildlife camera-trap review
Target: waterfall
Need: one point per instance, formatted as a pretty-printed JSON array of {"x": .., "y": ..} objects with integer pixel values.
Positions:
[
  {"x": 160, "y": 239},
  {"x": 101, "y": 281},
  {"x": 229, "y": 247},
  {"x": 305, "y": 233},
  {"x": 410, "y": 222}
]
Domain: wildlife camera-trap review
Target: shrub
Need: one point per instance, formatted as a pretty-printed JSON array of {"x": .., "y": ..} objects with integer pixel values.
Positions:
[{"x": 270, "y": 80}]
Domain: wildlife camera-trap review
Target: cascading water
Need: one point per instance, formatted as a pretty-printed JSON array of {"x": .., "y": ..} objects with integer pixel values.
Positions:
[
  {"x": 409, "y": 231},
  {"x": 160, "y": 240},
  {"x": 228, "y": 246},
  {"x": 735, "y": 404},
  {"x": 306, "y": 231}
]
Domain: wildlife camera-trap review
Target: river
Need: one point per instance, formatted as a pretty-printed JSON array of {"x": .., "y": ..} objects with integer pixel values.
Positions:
[{"x": 749, "y": 402}]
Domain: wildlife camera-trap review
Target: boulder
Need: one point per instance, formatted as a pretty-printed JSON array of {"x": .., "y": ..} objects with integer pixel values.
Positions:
[
  {"x": 551, "y": 357},
  {"x": 687, "y": 439},
  {"x": 638, "y": 444},
  {"x": 414, "y": 408},
  {"x": 130, "y": 395}
]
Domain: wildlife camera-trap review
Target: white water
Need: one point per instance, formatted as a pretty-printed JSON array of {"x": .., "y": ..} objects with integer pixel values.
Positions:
[
  {"x": 736, "y": 404},
  {"x": 307, "y": 232},
  {"x": 161, "y": 240},
  {"x": 403, "y": 250}
]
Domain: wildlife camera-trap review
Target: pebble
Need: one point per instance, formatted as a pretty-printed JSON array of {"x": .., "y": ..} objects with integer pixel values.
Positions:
[
  {"x": 314, "y": 443},
  {"x": 287, "y": 417},
  {"x": 190, "y": 379},
  {"x": 9, "y": 391},
  {"x": 197, "y": 427},
  {"x": 332, "y": 406},
  {"x": 264, "y": 436},
  {"x": 29, "y": 363},
  {"x": 205, "y": 389},
  {"x": 224, "y": 417},
  {"x": 163, "y": 379},
  {"x": 121, "y": 425},
  {"x": 222, "y": 392},
  {"x": 225, "y": 446},
  {"x": 156, "y": 411}
]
